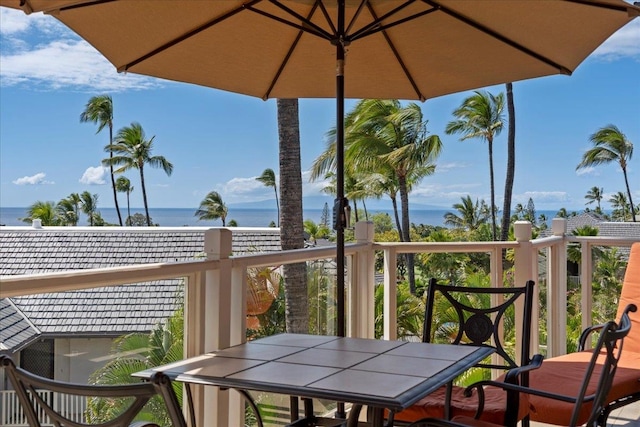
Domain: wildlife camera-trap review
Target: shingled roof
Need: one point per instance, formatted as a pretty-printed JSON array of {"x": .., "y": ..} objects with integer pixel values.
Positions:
[{"x": 108, "y": 311}]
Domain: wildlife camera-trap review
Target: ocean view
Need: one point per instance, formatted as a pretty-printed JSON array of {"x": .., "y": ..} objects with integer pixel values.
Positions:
[{"x": 181, "y": 217}]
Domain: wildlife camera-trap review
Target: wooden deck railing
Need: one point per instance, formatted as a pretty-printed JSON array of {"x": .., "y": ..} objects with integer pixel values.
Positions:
[{"x": 216, "y": 287}]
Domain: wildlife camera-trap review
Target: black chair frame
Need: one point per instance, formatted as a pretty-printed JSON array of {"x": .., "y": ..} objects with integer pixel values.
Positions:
[{"x": 25, "y": 384}]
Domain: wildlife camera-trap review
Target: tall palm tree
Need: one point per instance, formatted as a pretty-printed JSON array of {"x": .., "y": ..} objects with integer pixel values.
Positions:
[
  {"x": 131, "y": 150},
  {"x": 384, "y": 134},
  {"x": 268, "y": 178},
  {"x": 89, "y": 206},
  {"x": 595, "y": 195},
  {"x": 291, "y": 221},
  {"x": 212, "y": 207},
  {"x": 46, "y": 212},
  {"x": 99, "y": 110},
  {"x": 471, "y": 215},
  {"x": 620, "y": 206},
  {"x": 123, "y": 185},
  {"x": 511, "y": 166},
  {"x": 481, "y": 116},
  {"x": 610, "y": 145}
]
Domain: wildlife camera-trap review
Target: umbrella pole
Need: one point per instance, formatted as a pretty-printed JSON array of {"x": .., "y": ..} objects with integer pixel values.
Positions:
[
  {"x": 340, "y": 410},
  {"x": 340, "y": 168}
]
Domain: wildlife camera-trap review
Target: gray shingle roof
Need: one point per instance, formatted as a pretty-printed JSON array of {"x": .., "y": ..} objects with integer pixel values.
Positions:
[
  {"x": 17, "y": 331},
  {"x": 109, "y": 310}
]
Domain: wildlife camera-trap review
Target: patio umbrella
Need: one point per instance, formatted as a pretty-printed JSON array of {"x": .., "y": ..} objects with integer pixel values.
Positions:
[{"x": 404, "y": 49}]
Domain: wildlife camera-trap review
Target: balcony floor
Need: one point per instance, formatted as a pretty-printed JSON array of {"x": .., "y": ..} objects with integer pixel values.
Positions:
[{"x": 628, "y": 416}]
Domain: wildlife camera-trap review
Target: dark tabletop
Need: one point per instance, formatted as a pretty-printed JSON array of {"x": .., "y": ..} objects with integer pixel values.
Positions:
[{"x": 389, "y": 374}]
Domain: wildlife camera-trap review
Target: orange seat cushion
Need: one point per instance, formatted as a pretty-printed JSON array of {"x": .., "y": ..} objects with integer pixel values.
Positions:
[
  {"x": 564, "y": 375},
  {"x": 433, "y": 405}
]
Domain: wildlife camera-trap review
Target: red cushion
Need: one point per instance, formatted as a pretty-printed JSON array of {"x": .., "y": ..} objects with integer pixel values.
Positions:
[{"x": 433, "y": 405}]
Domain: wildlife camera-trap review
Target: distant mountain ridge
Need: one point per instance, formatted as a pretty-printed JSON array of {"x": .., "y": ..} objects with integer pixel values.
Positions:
[{"x": 317, "y": 202}]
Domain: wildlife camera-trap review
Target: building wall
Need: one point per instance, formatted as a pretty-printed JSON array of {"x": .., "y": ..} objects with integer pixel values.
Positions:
[{"x": 77, "y": 358}]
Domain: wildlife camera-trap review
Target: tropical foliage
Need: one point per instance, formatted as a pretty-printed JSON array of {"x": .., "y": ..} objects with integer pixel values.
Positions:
[{"x": 133, "y": 353}]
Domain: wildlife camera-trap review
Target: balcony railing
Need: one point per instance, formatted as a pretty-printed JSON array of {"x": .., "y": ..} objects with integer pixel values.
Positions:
[
  {"x": 12, "y": 415},
  {"x": 215, "y": 289}
]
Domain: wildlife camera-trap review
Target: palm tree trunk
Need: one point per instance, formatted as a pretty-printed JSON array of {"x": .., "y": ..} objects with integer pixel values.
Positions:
[
  {"x": 406, "y": 237},
  {"x": 394, "y": 202},
  {"x": 275, "y": 188},
  {"x": 128, "y": 208},
  {"x": 493, "y": 190},
  {"x": 113, "y": 180},
  {"x": 291, "y": 221},
  {"x": 511, "y": 165},
  {"x": 144, "y": 196},
  {"x": 626, "y": 181}
]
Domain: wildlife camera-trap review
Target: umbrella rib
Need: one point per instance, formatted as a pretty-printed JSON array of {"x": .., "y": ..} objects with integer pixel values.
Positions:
[
  {"x": 561, "y": 68},
  {"x": 287, "y": 56},
  {"x": 398, "y": 57},
  {"x": 306, "y": 26},
  {"x": 186, "y": 35},
  {"x": 377, "y": 26}
]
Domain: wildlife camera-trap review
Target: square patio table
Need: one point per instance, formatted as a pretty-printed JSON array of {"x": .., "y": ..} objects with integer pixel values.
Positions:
[{"x": 376, "y": 373}]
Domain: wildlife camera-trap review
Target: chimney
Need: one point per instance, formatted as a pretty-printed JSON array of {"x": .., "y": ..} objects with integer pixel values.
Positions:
[{"x": 36, "y": 223}]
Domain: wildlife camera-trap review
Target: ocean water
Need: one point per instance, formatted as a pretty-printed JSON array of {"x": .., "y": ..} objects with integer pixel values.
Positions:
[{"x": 179, "y": 217}]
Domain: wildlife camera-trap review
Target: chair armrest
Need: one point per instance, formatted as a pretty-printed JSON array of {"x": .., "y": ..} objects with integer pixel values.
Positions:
[
  {"x": 143, "y": 424},
  {"x": 586, "y": 333},
  {"x": 511, "y": 385}
]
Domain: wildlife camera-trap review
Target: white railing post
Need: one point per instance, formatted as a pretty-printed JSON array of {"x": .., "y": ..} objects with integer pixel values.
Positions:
[
  {"x": 390, "y": 301},
  {"x": 525, "y": 257},
  {"x": 362, "y": 289},
  {"x": 586, "y": 289},
  {"x": 557, "y": 292},
  {"x": 210, "y": 300}
]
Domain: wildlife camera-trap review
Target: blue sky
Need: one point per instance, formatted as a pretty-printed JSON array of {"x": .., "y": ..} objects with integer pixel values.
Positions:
[{"x": 222, "y": 141}]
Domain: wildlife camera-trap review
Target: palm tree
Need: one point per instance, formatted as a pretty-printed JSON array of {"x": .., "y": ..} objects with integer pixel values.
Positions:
[
  {"x": 291, "y": 221},
  {"x": 99, "y": 110},
  {"x": 620, "y": 206},
  {"x": 481, "y": 116},
  {"x": 123, "y": 185},
  {"x": 135, "y": 352},
  {"x": 610, "y": 145},
  {"x": 89, "y": 206},
  {"x": 382, "y": 134},
  {"x": 471, "y": 215},
  {"x": 511, "y": 166},
  {"x": 46, "y": 212},
  {"x": 133, "y": 151},
  {"x": 67, "y": 212},
  {"x": 268, "y": 178},
  {"x": 212, "y": 208},
  {"x": 595, "y": 195}
]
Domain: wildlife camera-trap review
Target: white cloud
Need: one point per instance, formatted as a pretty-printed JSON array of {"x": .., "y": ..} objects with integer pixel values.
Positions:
[
  {"x": 624, "y": 43},
  {"x": 589, "y": 170},
  {"x": 94, "y": 176},
  {"x": 446, "y": 167},
  {"x": 61, "y": 60},
  {"x": 37, "y": 179}
]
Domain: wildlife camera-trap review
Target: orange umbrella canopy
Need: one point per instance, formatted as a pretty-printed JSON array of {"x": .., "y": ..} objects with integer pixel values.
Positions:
[{"x": 394, "y": 48}]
